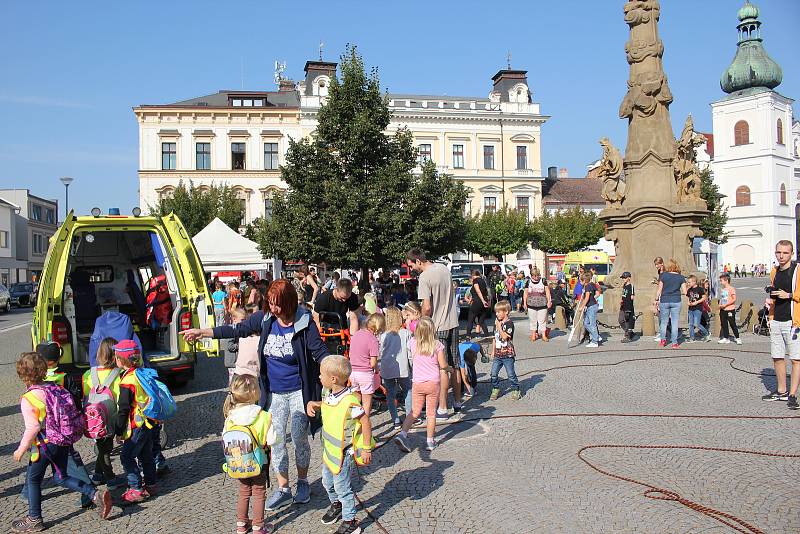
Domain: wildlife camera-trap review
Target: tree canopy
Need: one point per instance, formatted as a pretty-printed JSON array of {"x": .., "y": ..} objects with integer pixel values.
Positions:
[
  {"x": 713, "y": 225},
  {"x": 354, "y": 198},
  {"x": 496, "y": 233},
  {"x": 566, "y": 231},
  {"x": 197, "y": 207}
]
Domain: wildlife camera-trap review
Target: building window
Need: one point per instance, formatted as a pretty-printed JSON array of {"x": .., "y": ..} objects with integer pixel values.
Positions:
[
  {"x": 741, "y": 133},
  {"x": 488, "y": 156},
  {"x": 36, "y": 212},
  {"x": 38, "y": 244},
  {"x": 268, "y": 208},
  {"x": 458, "y": 156},
  {"x": 50, "y": 216},
  {"x": 780, "y": 132},
  {"x": 424, "y": 154},
  {"x": 270, "y": 156},
  {"x": 742, "y": 195},
  {"x": 243, "y": 207},
  {"x": 522, "y": 157},
  {"x": 168, "y": 159},
  {"x": 3, "y": 239},
  {"x": 489, "y": 204},
  {"x": 523, "y": 205},
  {"x": 203, "y": 156},
  {"x": 782, "y": 195},
  {"x": 237, "y": 156}
]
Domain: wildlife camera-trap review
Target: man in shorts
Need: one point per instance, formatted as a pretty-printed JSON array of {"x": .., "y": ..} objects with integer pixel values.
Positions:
[
  {"x": 439, "y": 303},
  {"x": 784, "y": 324}
]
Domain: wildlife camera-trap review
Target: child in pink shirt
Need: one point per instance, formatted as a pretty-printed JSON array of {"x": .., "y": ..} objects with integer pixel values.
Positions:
[
  {"x": 428, "y": 363},
  {"x": 364, "y": 352}
]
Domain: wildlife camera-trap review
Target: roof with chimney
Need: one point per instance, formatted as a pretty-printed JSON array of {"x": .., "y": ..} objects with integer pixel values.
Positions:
[{"x": 567, "y": 192}]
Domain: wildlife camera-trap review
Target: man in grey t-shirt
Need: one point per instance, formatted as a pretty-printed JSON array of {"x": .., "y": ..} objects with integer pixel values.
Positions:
[{"x": 439, "y": 303}]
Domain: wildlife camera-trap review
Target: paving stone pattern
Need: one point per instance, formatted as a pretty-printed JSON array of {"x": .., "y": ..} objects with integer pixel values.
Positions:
[{"x": 503, "y": 475}]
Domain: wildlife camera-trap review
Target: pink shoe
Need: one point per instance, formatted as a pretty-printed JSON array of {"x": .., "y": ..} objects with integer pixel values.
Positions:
[
  {"x": 663, "y": 343},
  {"x": 135, "y": 495},
  {"x": 674, "y": 346}
]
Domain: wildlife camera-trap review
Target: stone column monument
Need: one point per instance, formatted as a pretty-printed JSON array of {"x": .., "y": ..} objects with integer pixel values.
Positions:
[{"x": 653, "y": 204}]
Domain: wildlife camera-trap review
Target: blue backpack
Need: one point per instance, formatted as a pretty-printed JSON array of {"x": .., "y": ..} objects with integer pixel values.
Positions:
[{"x": 161, "y": 406}]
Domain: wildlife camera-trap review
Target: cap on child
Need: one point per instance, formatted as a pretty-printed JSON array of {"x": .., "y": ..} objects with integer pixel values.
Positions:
[
  {"x": 128, "y": 350},
  {"x": 49, "y": 350}
]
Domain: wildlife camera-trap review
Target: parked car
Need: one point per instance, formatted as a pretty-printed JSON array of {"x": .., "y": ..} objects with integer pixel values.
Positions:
[
  {"x": 5, "y": 299},
  {"x": 23, "y": 294},
  {"x": 119, "y": 263}
]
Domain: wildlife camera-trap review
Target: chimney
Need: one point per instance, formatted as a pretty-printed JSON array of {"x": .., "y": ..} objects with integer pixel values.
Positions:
[
  {"x": 552, "y": 173},
  {"x": 506, "y": 79},
  {"x": 286, "y": 86},
  {"x": 563, "y": 173}
]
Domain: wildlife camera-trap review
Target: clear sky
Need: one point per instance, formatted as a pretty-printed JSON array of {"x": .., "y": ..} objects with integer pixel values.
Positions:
[{"x": 72, "y": 71}]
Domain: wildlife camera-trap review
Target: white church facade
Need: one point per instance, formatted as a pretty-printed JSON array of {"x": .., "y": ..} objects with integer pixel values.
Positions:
[{"x": 756, "y": 164}]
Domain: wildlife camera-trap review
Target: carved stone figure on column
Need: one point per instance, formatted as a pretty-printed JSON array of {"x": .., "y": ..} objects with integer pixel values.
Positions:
[
  {"x": 684, "y": 166},
  {"x": 611, "y": 173}
]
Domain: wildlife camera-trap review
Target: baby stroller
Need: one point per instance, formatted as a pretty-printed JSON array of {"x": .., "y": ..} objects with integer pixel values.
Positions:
[
  {"x": 335, "y": 334},
  {"x": 761, "y": 328}
]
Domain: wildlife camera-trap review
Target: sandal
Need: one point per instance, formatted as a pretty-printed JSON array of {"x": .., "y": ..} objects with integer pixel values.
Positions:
[
  {"x": 243, "y": 527},
  {"x": 266, "y": 528}
]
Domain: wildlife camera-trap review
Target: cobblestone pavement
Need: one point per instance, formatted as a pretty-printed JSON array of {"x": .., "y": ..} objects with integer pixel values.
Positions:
[{"x": 502, "y": 475}]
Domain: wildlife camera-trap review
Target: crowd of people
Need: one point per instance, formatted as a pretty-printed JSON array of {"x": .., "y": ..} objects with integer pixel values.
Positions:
[
  {"x": 285, "y": 383},
  {"x": 742, "y": 271}
]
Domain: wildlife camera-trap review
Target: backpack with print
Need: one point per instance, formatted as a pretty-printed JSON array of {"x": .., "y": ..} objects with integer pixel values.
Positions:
[
  {"x": 100, "y": 406},
  {"x": 65, "y": 423},
  {"x": 244, "y": 458},
  {"x": 161, "y": 405}
]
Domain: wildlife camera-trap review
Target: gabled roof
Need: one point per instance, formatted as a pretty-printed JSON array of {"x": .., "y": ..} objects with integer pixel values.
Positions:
[
  {"x": 572, "y": 191},
  {"x": 220, "y": 99},
  {"x": 709, "y": 144}
]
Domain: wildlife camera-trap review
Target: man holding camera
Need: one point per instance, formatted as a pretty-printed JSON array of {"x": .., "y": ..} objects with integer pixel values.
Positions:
[{"x": 784, "y": 314}]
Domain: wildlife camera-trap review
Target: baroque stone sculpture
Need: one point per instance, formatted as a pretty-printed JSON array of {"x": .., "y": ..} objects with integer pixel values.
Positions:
[
  {"x": 684, "y": 166},
  {"x": 611, "y": 173},
  {"x": 647, "y": 219}
]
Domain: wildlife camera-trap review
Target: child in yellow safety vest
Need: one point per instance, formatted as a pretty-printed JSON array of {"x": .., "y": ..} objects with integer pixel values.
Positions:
[
  {"x": 246, "y": 435},
  {"x": 51, "y": 352},
  {"x": 32, "y": 369},
  {"x": 132, "y": 427},
  {"x": 342, "y": 415},
  {"x": 98, "y": 376}
]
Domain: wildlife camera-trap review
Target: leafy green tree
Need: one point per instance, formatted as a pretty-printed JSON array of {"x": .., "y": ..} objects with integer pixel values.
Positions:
[
  {"x": 566, "y": 231},
  {"x": 713, "y": 225},
  {"x": 353, "y": 198},
  {"x": 498, "y": 233},
  {"x": 196, "y": 208}
]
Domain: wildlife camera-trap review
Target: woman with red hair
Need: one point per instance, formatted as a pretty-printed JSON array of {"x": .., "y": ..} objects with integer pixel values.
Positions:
[{"x": 291, "y": 350}]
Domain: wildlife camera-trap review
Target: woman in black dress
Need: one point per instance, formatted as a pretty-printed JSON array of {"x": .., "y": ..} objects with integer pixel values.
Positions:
[{"x": 479, "y": 307}]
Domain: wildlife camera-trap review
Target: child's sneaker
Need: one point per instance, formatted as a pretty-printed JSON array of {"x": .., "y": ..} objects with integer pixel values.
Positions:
[
  {"x": 792, "y": 403},
  {"x": 593, "y": 345},
  {"x": 349, "y": 527},
  {"x": 333, "y": 514},
  {"x": 302, "y": 494},
  {"x": 431, "y": 444},
  {"x": 723, "y": 340},
  {"x": 134, "y": 495},
  {"x": 397, "y": 424},
  {"x": 495, "y": 394},
  {"x": 737, "y": 341},
  {"x": 419, "y": 421},
  {"x": 102, "y": 499},
  {"x": 26, "y": 524},
  {"x": 662, "y": 343},
  {"x": 516, "y": 394},
  {"x": 401, "y": 443}
]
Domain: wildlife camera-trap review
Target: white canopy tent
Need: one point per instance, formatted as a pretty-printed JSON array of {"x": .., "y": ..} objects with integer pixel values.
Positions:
[{"x": 223, "y": 249}]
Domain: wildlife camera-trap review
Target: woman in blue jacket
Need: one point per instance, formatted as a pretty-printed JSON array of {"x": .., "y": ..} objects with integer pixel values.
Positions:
[{"x": 291, "y": 350}]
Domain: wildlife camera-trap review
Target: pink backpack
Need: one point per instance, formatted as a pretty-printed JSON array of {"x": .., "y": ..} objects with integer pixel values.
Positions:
[
  {"x": 65, "y": 423},
  {"x": 100, "y": 406}
]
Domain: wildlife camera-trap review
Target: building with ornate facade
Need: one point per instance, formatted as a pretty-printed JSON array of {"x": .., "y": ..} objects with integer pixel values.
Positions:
[
  {"x": 239, "y": 138},
  {"x": 755, "y": 151}
]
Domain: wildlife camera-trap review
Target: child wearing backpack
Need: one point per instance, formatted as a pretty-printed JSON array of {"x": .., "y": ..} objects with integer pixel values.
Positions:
[
  {"x": 133, "y": 427},
  {"x": 51, "y": 352},
  {"x": 52, "y": 426},
  {"x": 246, "y": 435},
  {"x": 100, "y": 394}
]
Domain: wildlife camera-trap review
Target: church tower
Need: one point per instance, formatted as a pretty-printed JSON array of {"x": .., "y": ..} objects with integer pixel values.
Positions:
[{"x": 753, "y": 162}]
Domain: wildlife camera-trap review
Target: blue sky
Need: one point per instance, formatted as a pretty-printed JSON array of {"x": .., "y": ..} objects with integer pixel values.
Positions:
[{"x": 72, "y": 71}]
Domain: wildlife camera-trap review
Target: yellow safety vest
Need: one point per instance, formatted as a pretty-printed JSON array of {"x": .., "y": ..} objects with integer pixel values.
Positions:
[
  {"x": 335, "y": 420},
  {"x": 139, "y": 401},
  {"x": 41, "y": 413},
  {"x": 56, "y": 377}
]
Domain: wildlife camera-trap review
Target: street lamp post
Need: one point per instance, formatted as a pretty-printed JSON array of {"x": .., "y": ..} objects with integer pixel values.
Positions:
[{"x": 66, "y": 180}]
